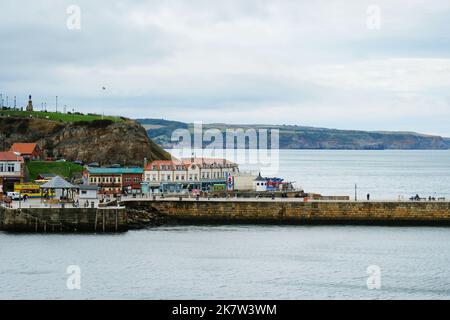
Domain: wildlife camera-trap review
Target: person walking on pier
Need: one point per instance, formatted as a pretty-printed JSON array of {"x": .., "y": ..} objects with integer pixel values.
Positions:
[{"x": 368, "y": 197}]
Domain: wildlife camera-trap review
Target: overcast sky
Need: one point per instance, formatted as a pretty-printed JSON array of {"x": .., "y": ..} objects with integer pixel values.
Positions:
[{"x": 318, "y": 63}]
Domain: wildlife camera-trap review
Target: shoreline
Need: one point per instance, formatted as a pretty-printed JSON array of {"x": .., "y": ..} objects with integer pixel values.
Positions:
[{"x": 136, "y": 214}]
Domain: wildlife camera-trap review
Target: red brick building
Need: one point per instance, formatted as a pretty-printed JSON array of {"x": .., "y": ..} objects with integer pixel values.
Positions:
[
  {"x": 116, "y": 180},
  {"x": 29, "y": 151}
]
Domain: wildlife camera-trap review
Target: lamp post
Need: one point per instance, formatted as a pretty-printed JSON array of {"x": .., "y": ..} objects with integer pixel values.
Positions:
[{"x": 18, "y": 154}]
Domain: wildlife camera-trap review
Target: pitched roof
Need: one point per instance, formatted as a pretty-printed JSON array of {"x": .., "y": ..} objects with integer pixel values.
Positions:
[
  {"x": 9, "y": 156},
  {"x": 24, "y": 148},
  {"x": 87, "y": 187},
  {"x": 115, "y": 170},
  {"x": 186, "y": 162},
  {"x": 207, "y": 161},
  {"x": 259, "y": 178},
  {"x": 159, "y": 163},
  {"x": 47, "y": 175},
  {"x": 57, "y": 183}
]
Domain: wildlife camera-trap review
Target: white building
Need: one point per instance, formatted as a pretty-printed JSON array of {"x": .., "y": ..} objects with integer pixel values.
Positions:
[
  {"x": 11, "y": 169},
  {"x": 88, "y": 191},
  {"x": 244, "y": 181},
  {"x": 260, "y": 184},
  {"x": 198, "y": 173}
]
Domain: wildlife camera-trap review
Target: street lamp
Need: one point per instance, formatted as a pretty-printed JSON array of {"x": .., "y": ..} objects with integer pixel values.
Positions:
[{"x": 18, "y": 154}]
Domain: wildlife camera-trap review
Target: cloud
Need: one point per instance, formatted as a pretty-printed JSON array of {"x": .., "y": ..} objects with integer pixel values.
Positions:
[{"x": 302, "y": 62}]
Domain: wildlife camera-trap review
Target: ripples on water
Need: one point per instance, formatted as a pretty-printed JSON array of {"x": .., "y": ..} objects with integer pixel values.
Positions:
[
  {"x": 383, "y": 174},
  {"x": 229, "y": 262}
]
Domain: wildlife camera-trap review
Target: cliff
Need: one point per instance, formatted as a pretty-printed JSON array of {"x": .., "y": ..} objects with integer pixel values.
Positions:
[
  {"x": 301, "y": 137},
  {"x": 103, "y": 141}
]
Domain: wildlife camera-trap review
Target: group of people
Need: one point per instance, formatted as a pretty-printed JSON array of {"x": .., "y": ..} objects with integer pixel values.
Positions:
[{"x": 430, "y": 198}]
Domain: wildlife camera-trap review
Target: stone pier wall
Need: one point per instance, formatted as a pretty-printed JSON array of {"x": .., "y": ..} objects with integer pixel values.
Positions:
[
  {"x": 63, "y": 220},
  {"x": 278, "y": 212}
]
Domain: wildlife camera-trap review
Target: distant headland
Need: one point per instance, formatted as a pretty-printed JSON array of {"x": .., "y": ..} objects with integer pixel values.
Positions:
[{"x": 302, "y": 137}]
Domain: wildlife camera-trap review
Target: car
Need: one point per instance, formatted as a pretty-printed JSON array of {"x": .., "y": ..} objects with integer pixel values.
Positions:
[
  {"x": 79, "y": 162},
  {"x": 94, "y": 165},
  {"x": 61, "y": 160},
  {"x": 14, "y": 195}
]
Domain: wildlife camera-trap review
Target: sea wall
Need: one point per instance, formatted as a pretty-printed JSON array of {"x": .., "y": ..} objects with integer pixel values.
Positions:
[
  {"x": 297, "y": 212},
  {"x": 63, "y": 220}
]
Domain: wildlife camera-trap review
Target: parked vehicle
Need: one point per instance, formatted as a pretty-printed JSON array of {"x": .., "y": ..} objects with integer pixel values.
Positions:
[
  {"x": 31, "y": 190},
  {"x": 14, "y": 195},
  {"x": 94, "y": 165}
]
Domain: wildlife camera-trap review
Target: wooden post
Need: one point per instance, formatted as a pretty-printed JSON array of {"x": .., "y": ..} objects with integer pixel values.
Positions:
[
  {"x": 95, "y": 223},
  {"x": 116, "y": 220}
]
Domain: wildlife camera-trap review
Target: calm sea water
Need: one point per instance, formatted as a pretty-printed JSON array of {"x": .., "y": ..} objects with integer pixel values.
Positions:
[
  {"x": 255, "y": 262},
  {"x": 383, "y": 174}
]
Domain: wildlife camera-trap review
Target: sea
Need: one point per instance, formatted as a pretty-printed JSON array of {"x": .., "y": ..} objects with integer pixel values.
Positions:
[{"x": 254, "y": 261}]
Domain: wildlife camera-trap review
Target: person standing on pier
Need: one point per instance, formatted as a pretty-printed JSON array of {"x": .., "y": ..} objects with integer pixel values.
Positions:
[{"x": 368, "y": 197}]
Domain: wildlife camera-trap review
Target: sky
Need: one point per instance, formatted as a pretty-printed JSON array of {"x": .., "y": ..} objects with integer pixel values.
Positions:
[{"x": 353, "y": 64}]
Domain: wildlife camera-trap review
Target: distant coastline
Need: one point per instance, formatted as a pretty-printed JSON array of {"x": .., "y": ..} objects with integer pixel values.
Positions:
[{"x": 302, "y": 137}]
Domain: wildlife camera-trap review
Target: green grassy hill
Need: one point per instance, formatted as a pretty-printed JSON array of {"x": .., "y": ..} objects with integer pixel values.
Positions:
[
  {"x": 58, "y": 116},
  {"x": 64, "y": 169}
]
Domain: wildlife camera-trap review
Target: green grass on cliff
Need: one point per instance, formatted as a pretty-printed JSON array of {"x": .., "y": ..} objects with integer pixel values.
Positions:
[
  {"x": 63, "y": 169},
  {"x": 57, "y": 116}
]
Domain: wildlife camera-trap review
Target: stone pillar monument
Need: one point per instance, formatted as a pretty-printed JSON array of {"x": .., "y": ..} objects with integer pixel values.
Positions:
[{"x": 30, "y": 104}]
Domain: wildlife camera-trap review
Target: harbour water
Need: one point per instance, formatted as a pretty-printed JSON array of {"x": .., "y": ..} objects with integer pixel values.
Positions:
[
  {"x": 256, "y": 262},
  {"x": 386, "y": 175}
]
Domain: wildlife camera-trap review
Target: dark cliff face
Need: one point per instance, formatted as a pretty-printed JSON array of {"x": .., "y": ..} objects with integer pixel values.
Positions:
[{"x": 102, "y": 141}]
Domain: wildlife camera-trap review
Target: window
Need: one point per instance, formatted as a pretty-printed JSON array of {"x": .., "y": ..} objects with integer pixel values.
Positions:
[
  {"x": 11, "y": 167},
  {"x": 137, "y": 180}
]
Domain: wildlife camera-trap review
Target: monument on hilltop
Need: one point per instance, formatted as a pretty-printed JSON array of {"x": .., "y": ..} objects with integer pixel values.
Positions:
[{"x": 30, "y": 104}]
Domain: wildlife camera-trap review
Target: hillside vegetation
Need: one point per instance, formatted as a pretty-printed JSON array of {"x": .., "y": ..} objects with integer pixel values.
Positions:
[
  {"x": 58, "y": 116},
  {"x": 62, "y": 169}
]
